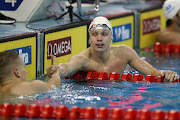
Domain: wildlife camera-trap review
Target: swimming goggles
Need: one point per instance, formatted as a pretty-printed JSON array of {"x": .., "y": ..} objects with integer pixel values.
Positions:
[{"x": 98, "y": 26}]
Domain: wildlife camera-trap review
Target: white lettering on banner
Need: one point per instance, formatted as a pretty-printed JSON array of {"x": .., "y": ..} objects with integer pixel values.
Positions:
[
  {"x": 49, "y": 50},
  {"x": 24, "y": 56},
  {"x": 59, "y": 47},
  {"x": 117, "y": 33},
  {"x": 122, "y": 33},
  {"x": 62, "y": 51},
  {"x": 55, "y": 49},
  {"x": 151, "y": 25},
  {"x": 125, "y": 33},
  {"x": 11, "y": 1}
]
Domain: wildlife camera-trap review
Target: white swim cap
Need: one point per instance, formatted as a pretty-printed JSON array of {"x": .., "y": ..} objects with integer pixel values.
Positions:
[
  {"x": 171, "y": 8},
  {"x": 100, "y": 23}
]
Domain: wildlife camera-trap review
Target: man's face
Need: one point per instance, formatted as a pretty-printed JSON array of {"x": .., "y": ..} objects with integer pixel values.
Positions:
[
  {"x": 100, "y": 39},
  {"x": 22, "y": 70}
]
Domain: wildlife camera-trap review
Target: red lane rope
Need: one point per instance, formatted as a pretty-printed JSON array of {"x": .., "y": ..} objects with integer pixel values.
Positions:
[
  {"x": 91, "y": 75},
  {"x": 166, "y": 48},
  {"x": 9, "y": 111}
]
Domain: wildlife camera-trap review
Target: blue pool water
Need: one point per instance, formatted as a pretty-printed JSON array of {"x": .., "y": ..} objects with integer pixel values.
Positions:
[
  {"x": 112, "y": 94},
  {"x": 109, "y": 94}
]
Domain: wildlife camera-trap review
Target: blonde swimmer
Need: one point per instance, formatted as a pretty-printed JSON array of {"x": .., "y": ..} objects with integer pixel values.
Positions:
[{"x": 14, "y": 79}]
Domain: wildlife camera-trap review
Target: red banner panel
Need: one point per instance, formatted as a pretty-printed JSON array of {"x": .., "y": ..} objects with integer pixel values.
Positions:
[
  {"x": 59, "y": 47},
  {"x": 151, "y": 25}
]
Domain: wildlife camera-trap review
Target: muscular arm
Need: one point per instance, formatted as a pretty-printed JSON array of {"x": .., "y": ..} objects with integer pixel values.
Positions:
[
  {"x": 144, "y": 67},
  {"x": 74, "y": 65},
  {"x": 139, "y": 64},
  {"x": 54, "y": 81}
]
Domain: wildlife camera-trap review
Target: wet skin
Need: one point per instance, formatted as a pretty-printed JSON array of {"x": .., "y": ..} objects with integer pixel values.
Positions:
[{"x": 101, "y": 57}]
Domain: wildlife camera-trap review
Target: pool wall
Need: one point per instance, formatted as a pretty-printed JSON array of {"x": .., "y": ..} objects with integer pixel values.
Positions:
[{"x": 27, "y": 46}]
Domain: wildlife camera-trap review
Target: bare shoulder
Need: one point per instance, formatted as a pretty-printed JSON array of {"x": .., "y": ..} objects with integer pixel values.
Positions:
[
  {"x": 120, "y": 46},
  {"x": 124, "y": 52},
  {"x": 81, "y": 56},
  {"x": 37, "y": 83},
  {"x": 121, "y": 49},
  {"x": 168, "y": 36},
  {"x": 163, "y": 36},
  {"x": 27, "y": 88}
]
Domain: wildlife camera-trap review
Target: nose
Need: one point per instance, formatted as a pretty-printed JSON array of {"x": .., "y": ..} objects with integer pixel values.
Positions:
[{"x": 99, "y": 38}]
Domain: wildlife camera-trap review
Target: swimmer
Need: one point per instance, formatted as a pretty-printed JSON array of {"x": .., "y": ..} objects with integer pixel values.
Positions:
[
  {"x": 14, "y": 79},
  {"x": 103, "y": 57},
  {"x": 171, "y": 33}
]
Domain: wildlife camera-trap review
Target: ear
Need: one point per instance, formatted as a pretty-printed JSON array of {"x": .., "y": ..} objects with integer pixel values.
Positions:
[
  {"x": 174, "y": 18},
  {"x": 112, "y": 37},
  {"x": 89, "y": 41},
  {"x": 16, "y": 73}
]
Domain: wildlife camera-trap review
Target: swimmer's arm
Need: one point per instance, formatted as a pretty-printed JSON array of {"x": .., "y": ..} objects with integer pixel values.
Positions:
[
  {"x": 66, "y": 69},
  {"x": 54, "y": 81},
  {"x": 38, "y": 86},
  {"x": 140, "y": 65},
  {"x": 74, "y": 65},
  {"x": 145, "y": 68}
]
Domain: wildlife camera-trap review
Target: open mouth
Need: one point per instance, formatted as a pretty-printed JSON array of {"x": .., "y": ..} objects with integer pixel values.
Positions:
[{"x": 99, "y": 45}]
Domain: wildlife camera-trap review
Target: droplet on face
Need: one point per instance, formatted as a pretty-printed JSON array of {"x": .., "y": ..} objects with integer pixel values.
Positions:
[{"x": 111, "y": 51}]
